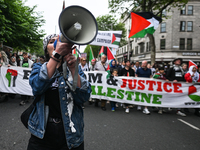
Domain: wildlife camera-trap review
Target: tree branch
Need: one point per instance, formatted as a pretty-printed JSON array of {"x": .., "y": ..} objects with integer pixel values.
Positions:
[{"x": 171, "y": 1}]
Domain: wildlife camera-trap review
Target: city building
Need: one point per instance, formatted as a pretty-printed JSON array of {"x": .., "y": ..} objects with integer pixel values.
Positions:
[{"x": 176, "y": 37}]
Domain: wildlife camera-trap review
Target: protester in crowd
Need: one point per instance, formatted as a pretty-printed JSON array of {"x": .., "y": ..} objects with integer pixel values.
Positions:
[
  {"x": 102, "y": 65},
  {"x": 160, "y": 75},
  {"x": 30, "y": 57},
  {"x": 137, "y": 65},
  {"x": 13, "y": 62},
  {"x": 27, "y": 63},
  {"x": 42, "y": 60},
  {"x": 132, "y": 65},
  {"x": 61, "y": 125},
  {"x": 184, "y": 67},
  {"x": 17, "y": 58},
  {"x": 92, "y": 67},
  {"x": 113, "y": 65},
  {"x": 83, "y": 64},
  {"x": 129, "y": 72},
  {"x": 145, "y": 73},
  {"x": 154, "y": 68},
  {"x": 113, "y": 104},
  {"x": 3, "y": 58},
  {"x": 123, "y": 64},
  {"x": 193, "y": 76},
  {"x": 176, "y": 74}
]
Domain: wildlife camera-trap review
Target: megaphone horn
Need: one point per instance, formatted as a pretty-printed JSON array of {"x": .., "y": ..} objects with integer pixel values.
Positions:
[{"x": 77, "y": 25}]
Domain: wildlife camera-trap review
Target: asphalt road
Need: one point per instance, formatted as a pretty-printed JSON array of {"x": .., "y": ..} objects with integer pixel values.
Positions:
[{"x": 106, "y": 130}]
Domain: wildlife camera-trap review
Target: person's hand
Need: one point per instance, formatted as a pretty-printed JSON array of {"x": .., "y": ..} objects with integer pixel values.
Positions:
[
  {"x": 0, "y": 64},
  {"x": 175, "y": 81},
  {"x": 63, "y": 48},
  {"x": 192, "y": 75},
  {"x": 71, "y": 62},
  {"x": 8, "y": 65}
]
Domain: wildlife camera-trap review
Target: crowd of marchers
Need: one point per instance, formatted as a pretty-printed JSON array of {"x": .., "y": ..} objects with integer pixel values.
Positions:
[
  {"x": 13, "y": 59},
  {"x": 178, "y": 72}
]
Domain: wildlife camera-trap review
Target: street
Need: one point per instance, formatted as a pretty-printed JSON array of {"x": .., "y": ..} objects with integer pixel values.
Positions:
[{"x": 106, "y": 130}]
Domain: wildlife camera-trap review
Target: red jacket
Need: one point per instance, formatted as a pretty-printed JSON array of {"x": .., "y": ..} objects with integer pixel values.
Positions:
[{"x": 188, "y": 78}]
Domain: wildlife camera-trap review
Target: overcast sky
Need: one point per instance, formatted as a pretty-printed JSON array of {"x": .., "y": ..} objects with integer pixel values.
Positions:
[{"x": 52, "y": 8}]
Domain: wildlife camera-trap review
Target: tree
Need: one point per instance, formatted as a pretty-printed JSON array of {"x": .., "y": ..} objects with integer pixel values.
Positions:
[
  {"x": 19, "y": 25},
  {"x": 107, "y": 23},
  {"x": 154, "y": 6}
]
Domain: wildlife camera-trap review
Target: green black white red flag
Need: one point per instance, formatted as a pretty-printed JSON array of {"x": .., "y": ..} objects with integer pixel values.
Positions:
[{"x": 143, "y": 23}]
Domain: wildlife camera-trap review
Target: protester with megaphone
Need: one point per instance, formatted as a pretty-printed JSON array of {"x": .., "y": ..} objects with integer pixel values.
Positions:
[{"x": 57, "y": 119}]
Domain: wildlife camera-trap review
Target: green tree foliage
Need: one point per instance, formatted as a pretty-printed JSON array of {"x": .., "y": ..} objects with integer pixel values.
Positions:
[
  {"x": 95, "y": 50},
  {"x": 107, "y": 23},
  {"x": 124, "y": 7},
  {"x": 19, "y": 25}
]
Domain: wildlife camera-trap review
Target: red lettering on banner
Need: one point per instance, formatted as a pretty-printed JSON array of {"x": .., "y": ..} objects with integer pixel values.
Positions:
[
  {"x": 151, "y": 84},
  {"x": 176, "y": 87},
  {"x": 165, "y": 87},
  {"x": 159, "y": 89},
  {"x": 130, "y": 82},
  {"x": 124, "y": 83},
  {"x": 141, "y": 84}
]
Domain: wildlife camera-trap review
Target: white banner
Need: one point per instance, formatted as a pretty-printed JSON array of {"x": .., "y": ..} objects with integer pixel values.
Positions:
[
  {"x": 138, "y": 91},
  {"x": 15, "y": 80},
  {"x": 144, "y": 91},
  {"x": 107, "y": 38}
]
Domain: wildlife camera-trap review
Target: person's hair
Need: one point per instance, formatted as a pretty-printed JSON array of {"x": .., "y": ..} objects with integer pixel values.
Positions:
[
  {"x": 42, "y": 57},
  {"x": 103, "y": 55},
  {"x": 115, "y": 70},
  {"x": 24, "y": 53},
  {"x": 183, "y": 64},
  {"x": 127, "y": 61},
  {"x": 161, "y": 68},
  {"x": 4, "y": 56}
]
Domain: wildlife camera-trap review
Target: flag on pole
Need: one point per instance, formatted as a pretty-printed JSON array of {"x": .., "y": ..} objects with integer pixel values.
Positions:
[
  {"x": 63, "y": 4},
  {"x": 191, "y": 63},
  {"x": 101, "y": 52},
  {"x": 74, "y": 52},
  {"x": 143, "y": 23},
  {"x": 91, "y": 57}
]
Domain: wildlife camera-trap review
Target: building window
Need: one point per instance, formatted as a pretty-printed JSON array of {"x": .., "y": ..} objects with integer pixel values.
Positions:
[
  {"x": 189, "y": 26},
  {"x": 124, "y": 49},
  {"x": 163, "y": 27},
  {"x": 142, "y": 48},
  {"x": 183, "y": 11},
  {"x": 147, "y": 46},
  {"x": 189, "y": 44},
  {"x": 136, "y": 50},
  {"x": 190, "y": 10},
  {"x": 162, "y": 43},
  {"x": 182, "y": 44},
  {"x": 182, "y": 26}
]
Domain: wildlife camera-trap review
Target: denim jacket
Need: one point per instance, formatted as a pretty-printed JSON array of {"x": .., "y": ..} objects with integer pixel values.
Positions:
[{"x": 37, "y": 122}]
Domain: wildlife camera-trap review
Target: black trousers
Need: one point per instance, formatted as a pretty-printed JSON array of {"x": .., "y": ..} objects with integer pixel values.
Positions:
[{"x": 54, "y": 139}]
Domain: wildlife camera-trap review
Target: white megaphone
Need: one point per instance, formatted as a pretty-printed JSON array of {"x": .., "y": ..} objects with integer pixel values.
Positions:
[{"x": 77, "y": 25}]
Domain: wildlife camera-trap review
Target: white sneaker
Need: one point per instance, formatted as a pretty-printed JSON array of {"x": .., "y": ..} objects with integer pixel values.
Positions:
[
  {"x": 160, "y": 112},
  {"x": 146, "y": 111},
  {"x": 139, "y": 108},
  {"x": 127, "y": 110},
  {"x": 181, "y": 114}
]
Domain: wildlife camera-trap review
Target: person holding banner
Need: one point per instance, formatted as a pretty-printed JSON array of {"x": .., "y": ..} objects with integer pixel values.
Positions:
[
  {"x": 3, "y": 58},
  {"x": 192, "y": 76},
  {"x": 102, "y": 65},
  {"x": 145, "y": 73},
  {"x": 128, "y": 72},
  {"x": 176, "y": 74},
  {"x": 57, "y": 120}
]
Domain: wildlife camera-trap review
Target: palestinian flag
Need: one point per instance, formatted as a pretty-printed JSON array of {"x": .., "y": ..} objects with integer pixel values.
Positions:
[
  {"x": 91, "y": 57},
  {"x": 74, "y": 52},
  {"x": 101, "y": 52},
  {"x": 106, "y": 51},
  {"x": 191, "y": 63},
  {"x": 116, "y": 38},
  {"x": 143, "y": 23}
]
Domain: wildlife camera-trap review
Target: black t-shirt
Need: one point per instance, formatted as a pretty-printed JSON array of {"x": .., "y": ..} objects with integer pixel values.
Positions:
[
  {"x": 52, "y": 100},
  {"x": 128, "y": 73}
]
